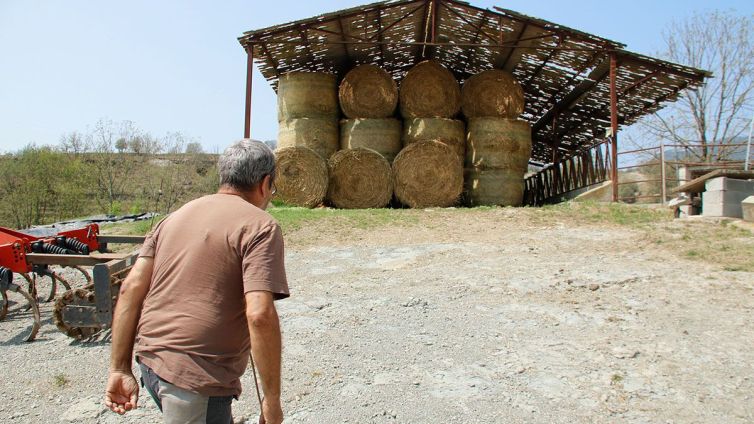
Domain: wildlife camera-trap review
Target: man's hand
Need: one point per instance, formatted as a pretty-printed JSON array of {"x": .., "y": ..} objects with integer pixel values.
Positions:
[
  {"x": 122, "y": 392},
  {"x": 272, "y": 413}
]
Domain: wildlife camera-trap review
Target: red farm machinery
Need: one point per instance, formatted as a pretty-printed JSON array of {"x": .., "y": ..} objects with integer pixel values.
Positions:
[{"x": 82, "y": 309}]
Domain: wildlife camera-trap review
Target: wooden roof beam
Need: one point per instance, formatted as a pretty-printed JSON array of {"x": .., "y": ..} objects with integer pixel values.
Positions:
[
  {"x": 341, "y": 27},
  {"x": 636, "y": 85},
  {"x": 524, "y": 26},
  {"x": 422, "y": 36},
  {"x": 305, "y": 43},
  {"x": 399, "y": 20},
  {"x": 379, "y": 37},
  {"x": 597, "y": 75},
  {"x": 268, "y": 55},
  {"x": 544, "y": 63},
  {"x": 473, "y": 53},
  {"x": 479, "y": 28}
]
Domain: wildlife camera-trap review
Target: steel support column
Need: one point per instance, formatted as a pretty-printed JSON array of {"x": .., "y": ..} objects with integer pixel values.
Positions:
[
  {"x": 614, "y": 122},
  {"x": 249, "y": 76}
]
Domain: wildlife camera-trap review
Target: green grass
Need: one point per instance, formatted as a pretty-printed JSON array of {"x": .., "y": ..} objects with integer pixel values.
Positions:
[
  {"x": 608, "y": 213},
  {"x": 60, "y": 380},
  {"x": 136, "y": 228},
  {"x": 294, "y": 218}
]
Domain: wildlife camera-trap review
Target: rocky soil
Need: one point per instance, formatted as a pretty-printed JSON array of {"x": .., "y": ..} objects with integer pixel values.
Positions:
[{"x": 486, "y": 317}]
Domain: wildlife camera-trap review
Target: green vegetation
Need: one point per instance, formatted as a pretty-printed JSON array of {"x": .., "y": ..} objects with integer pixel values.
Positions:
[
  {"x": 294, "y": 218},
  {"x": 608, "y": 213},
  {"x": 60, "y": 380},
  {"x": 43, "y": 185}
]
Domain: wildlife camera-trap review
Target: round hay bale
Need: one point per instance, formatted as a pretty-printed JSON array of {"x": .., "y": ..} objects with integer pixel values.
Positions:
[
  {"x": 367, "y": 91},
  {"x": 307, "y": 95},
  {"x": 493, "y": 187},
  {"x": 429, "y": 91},
  {"x": 359, "y": 179},
  {"x": 498, "y": 143},
  {"x": 300, "y": 177},
  {"x": 380, "y": 135},
  {"x": 427, "y": 174},
  {"x": 449, "y": 131},
  {"x": 492, "y": 93},
  {"x": 320, "y": 135}
]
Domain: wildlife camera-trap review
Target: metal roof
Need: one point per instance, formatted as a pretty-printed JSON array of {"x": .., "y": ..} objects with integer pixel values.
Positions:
[{"x": 564, "y": 72}]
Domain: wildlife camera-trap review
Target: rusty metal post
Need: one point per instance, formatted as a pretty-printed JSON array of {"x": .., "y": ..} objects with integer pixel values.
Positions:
[
  {"x": 662, "y": 172},
  {"x": 249, "y": 76},
  {"x": 614, "y": 122}
]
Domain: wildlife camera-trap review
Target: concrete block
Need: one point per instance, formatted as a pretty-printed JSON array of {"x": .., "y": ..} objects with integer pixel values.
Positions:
[
  {"x": 724, "y": 196},
  {"x": 747, "y": 207},
  {"x": 720, "y": 210},
  {"x": 724, "y": 183}
]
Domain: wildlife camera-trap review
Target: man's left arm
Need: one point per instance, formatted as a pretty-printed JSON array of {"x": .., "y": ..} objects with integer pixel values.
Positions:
[{"x": 122, "y": 390}]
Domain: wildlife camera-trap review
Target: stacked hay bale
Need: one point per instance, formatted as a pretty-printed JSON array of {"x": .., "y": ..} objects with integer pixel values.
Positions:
[
  {"x": 428, "y": 169},
  {"x": 307, "y": 135},
  {"x": 300, "y": 176},
  {"x": 427, "y": 174},
  {"x": 369, "y": 138},
  {"x": 359, "y": 179},
  {"x": 498, "y": 145}
]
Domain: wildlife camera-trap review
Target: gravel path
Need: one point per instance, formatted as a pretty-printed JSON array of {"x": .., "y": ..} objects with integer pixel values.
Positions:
[{"x": 487, "y": 321}]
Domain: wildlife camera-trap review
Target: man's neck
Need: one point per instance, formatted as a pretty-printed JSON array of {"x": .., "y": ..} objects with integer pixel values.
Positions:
[
  {"x": 234, "y": 192},
  {"x": 249, "y": 196}
]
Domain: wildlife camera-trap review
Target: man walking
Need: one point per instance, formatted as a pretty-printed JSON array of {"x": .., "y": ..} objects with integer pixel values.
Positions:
[{"x": 202, "y": 291}]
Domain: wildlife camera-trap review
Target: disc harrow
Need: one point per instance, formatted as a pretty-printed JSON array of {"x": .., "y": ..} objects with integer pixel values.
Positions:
[{"x": 79, "y": 312}]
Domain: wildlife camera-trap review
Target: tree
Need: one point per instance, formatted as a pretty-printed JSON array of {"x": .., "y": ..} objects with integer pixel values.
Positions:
[
  {"x": 194, "y": 148},
  {"x": 31, "y": 185},
  {"x": 121, "y": 144},
  {"x": 707, "y": 120},
  {"x": 108, "y": 171},
  {"x": 73, "y": 143}
]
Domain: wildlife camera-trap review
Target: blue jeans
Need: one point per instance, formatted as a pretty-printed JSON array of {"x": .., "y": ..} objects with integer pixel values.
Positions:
[{"x": 183, "y": 406}]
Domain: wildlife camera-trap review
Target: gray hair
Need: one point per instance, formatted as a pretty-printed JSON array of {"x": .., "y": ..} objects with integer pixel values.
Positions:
[{"x": 245, "y": 163}]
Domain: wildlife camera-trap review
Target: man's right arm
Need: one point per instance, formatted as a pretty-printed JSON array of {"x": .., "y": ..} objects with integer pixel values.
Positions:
[
  {"x": 264, "y": 330},
  {"x": 122, "y": 391}
]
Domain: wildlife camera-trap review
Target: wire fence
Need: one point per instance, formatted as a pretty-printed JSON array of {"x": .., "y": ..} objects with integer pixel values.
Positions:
[{"x": 653, "y": 172}]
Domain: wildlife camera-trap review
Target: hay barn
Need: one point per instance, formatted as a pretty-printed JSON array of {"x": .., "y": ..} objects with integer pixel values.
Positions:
[{"x": 579, "y": 88}]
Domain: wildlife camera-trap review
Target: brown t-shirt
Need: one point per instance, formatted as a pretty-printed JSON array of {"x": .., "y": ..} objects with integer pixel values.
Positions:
[{"x": 193, "y": 331}]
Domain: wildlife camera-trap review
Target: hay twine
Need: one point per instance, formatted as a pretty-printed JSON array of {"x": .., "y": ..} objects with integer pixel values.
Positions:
[
  {"x": 300, "y": 177},
  {"x": 427, "y": 174},
  {"x": 359, "y": 179},
  {"x": 429, "y": 90},
  {"x": 368, "y": 91},
  {"x": 492, "y": 93}
]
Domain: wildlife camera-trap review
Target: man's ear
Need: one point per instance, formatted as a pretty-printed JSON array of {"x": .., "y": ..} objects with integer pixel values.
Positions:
[{"x": 265, "y": 185}]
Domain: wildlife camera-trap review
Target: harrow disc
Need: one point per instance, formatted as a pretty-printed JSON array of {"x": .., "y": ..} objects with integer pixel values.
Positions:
[{"x": 75, "y": 297}]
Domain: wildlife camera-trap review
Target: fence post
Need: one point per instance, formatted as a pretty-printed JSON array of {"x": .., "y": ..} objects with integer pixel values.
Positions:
[{"x": 662, "y": 170}]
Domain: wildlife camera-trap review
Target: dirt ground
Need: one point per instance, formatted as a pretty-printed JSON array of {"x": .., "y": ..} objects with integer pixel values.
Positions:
[{"x": 485, "y": 316}]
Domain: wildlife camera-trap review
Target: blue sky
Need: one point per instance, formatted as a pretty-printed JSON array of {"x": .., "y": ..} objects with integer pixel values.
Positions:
[{"x": 176, "y": 65}]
